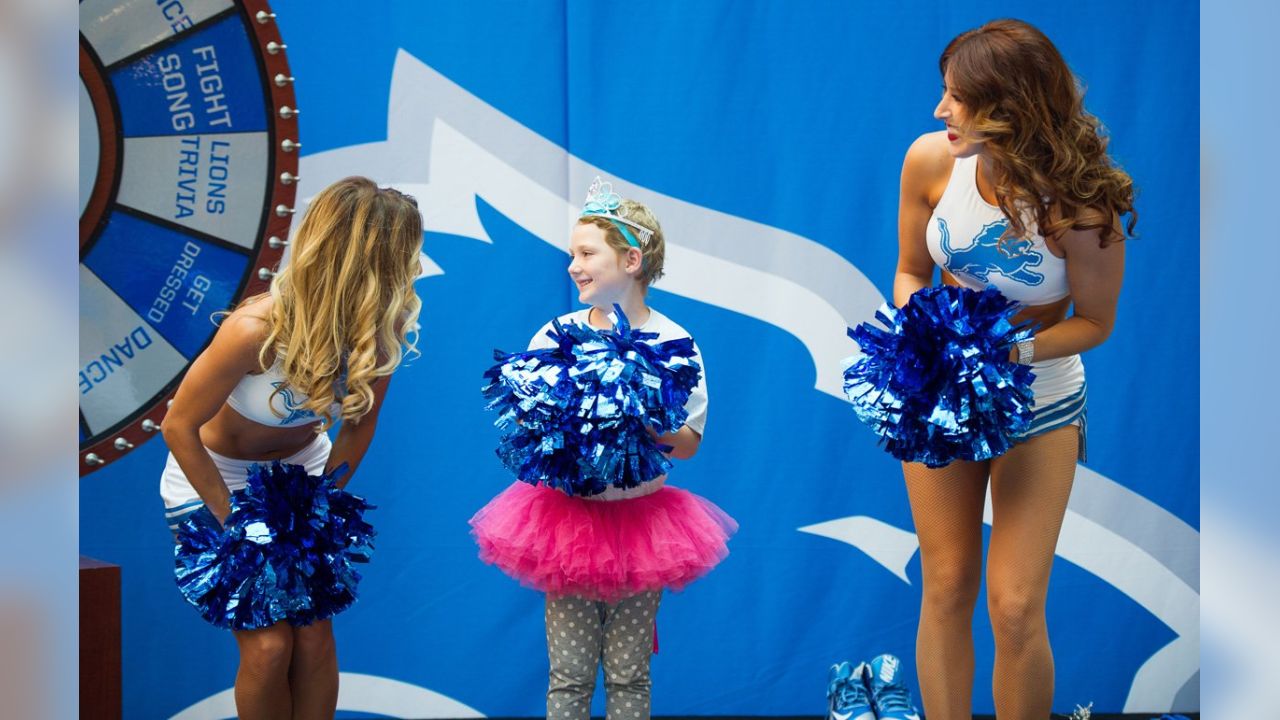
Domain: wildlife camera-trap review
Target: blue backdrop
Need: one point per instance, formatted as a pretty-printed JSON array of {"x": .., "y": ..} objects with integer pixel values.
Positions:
[{"x": 768, "y": 137}]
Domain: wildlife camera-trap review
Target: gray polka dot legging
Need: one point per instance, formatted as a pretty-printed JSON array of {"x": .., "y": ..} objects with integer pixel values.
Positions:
[{"x": 580, "y": 633}]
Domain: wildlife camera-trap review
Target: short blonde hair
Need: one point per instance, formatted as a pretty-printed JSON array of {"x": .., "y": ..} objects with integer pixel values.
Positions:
[{"x": 653, "y": 252}]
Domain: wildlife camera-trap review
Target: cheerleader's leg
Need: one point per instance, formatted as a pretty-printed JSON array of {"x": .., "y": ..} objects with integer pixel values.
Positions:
[
  {"x": 262, "y": 682},
  {"x": 946, "y": 506},
  {"x": 1030, "y": 486},
  {"x": 313, "y": 675}
]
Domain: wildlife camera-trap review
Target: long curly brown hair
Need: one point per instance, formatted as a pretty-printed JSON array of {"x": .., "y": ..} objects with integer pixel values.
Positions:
[{"x": 1049, "y": 154}]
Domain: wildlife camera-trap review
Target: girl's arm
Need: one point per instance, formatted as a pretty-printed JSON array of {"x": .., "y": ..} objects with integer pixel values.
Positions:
[
  {"x": 211, "y": 378},
  {"x": 684, "y": 442},
  {"x": 354, "y": 436}
]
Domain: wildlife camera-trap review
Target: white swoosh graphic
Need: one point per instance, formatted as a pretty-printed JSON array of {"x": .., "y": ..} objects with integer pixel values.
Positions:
[
  {"x": 1130, "y": 568},
  {"x": 356, "y": 693},
  {"x": 890, "y": 546},
  {"x": 449, "y": 148}
]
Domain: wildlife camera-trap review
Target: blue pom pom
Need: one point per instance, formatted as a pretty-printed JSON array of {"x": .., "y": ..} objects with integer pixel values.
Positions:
[
  {"x": 936, "y": 383},
  {"x": 576, "y": 417},
  {"x": 285, "y": 553}
]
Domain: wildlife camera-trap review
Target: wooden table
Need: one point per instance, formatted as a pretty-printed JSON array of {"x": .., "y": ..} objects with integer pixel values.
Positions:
[{"x": 100, "y": 695}]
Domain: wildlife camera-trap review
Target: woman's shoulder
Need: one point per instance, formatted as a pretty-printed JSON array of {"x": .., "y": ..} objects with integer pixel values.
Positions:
[
  {"x": 1085, "y": 236},
  {"x": 928, "y": 163},
  {"x": 252, "y": 313},
  {"x": 247, "y": 326},
  {"x": 930, "y": 152},
  {"x": 1092, "y": 218},
  {"x": 235, "y": 347}
]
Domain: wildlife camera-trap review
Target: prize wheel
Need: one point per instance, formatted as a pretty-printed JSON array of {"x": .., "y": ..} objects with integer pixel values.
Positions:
[{"x": 188, "y": 164}]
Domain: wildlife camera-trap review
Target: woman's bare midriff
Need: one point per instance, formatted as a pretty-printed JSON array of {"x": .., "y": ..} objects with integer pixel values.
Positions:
[
  {"x": 1042, "y": 317},
  {"x": 232, "y": 435}
]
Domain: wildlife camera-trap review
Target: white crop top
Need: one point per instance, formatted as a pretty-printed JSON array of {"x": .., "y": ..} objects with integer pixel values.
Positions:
[
  {"x": 963, "y": 235},
  {"x": 252, "y": 398}
]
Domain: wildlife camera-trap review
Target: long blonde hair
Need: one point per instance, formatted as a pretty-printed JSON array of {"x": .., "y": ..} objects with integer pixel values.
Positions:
[
  {"x": 344, "y": 305},
  {"x": 1049, "y": 154}
]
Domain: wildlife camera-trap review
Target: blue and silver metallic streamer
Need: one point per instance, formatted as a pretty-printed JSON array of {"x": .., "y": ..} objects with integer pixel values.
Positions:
[
  {"x": 936, "y": 384},
  {"x": 286, "y": 552},
  {"x": 577, "y": 417}
]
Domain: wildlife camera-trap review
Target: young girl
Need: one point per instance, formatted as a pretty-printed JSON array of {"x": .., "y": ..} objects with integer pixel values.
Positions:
[
  {"x": 283, "y": 367},
  {"x": 1017, "y": 193},
  {"x": 604, "y": 560}
]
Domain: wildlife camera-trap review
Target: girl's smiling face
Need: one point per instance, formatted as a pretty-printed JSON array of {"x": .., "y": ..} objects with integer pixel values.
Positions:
[{"x": 602, "y": 274}]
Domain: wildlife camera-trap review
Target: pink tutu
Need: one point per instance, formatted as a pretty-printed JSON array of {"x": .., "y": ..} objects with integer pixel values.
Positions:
[{"x": 601, "y": 550}]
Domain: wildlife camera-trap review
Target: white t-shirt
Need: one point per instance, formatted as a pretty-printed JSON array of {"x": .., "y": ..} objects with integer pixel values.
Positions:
[
  {"x": 696, "y": 405},
  {"x": 666, "y": 330}
]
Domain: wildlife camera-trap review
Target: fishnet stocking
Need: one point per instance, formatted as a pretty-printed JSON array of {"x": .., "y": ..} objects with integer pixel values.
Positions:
[
  {"x": 262, "y": 683},
  {"x": 287, "y": 672},
  {"x": 1030, "y": 486},
  {"x": 946, "y": 505},
  {"x": 313, "y": 674}
]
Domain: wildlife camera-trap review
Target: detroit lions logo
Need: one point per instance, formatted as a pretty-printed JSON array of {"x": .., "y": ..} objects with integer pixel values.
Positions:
[
  {"x": 295, "y": 411},
  {"x": 986, "y": 255}
]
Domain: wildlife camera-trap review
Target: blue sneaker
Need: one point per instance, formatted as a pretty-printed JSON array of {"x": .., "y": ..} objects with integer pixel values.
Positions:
[
  {"x": 889, "y": 694},
  {"x": 847, "y": 697}
]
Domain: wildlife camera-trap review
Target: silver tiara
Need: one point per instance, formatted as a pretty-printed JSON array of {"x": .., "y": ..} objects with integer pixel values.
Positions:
[{"x": 602, "y": 201}]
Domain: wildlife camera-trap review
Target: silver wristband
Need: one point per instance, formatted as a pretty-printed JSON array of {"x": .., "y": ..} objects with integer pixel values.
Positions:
[{"x": 1026, "y": 351}]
